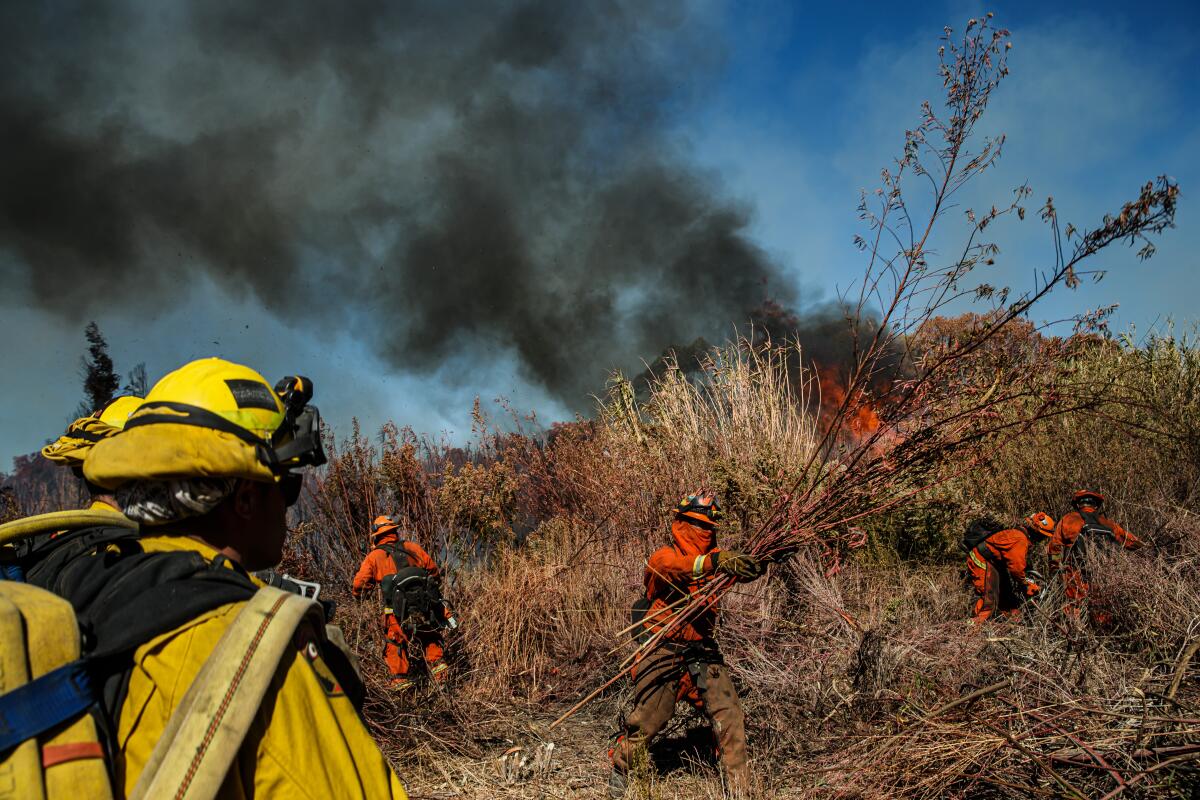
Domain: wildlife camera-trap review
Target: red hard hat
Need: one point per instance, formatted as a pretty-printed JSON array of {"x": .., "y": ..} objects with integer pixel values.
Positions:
[
  {"x": 1085, "y": 494},
  {"x": 1040, "y": 522}
]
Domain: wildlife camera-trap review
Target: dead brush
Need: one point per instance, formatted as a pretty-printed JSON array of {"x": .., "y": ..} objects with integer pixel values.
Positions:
[
  {"x": 939, "y": 422},
  {"x": 1054, "y": 705},
  {"x": 536, "y": 620}
]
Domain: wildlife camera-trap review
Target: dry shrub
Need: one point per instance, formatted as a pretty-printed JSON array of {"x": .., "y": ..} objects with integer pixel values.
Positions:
[
  {"x": 1152, "y": 598},
  {"x": 1137, "y": 440},
  {"x": 1075, "y": 693},
  {"x": 537, "y": 618},
  {"x": 839, "y": 657}
]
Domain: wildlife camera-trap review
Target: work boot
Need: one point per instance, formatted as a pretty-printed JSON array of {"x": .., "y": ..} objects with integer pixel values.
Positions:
[{"x": 618, "y": 782}]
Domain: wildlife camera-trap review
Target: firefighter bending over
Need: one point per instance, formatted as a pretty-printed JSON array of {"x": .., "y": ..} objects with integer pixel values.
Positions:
[
  {"x": 687, "y": 664},
  {"x": 997, "y": 561},
  {"x": 1076, "y": 540},
  {"x": 413, "y": 606}
]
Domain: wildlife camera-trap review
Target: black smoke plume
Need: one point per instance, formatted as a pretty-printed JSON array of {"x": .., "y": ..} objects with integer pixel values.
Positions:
[{"x": 451, "y": 182}]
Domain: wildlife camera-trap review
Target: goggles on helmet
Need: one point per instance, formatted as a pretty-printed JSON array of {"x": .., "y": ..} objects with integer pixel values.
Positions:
[
  {"x": 301, "y": 428},
  {"x": 383, "y": 524},
  {"x": 295, "y": 443},
  {"x": 1040, "y": 523},
  {"x": 703, "y": 504}
]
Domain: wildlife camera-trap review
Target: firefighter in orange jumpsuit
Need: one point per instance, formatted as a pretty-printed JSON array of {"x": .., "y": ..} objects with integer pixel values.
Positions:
[
  {"x": 1079, "y": 533},
  {"x": 688, "y": 664},
  {"x": 387, "y": 553},
  {"x": 997, "y": 567}
]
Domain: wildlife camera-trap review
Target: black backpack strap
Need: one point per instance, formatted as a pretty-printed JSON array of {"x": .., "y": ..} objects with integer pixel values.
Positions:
[
  {"x": 988, "y": 554},
  {"x": 123, "y": 597},
  {"x": 637, "y": 616},
  {"x": 399, "y": 555},
  {"x": 1093, "y": 534},
  {"x": 1092, "y": 526}
]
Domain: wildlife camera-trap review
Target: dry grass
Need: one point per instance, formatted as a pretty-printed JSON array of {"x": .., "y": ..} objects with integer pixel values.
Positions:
[
  {"x": 853, "y": 691},
  {"x": 840, "y": 654}
]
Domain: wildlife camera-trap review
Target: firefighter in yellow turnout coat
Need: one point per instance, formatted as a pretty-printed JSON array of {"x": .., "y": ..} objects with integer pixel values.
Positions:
[{"x": 206, "y": 467}]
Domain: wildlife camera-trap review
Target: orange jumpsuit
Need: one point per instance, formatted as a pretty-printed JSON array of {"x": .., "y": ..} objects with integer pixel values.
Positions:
[
  {"x": 1062, "y": 549},
  {"x": 997, "y": 567},
  {"x": 688, "y": 665},
  {"x": 377, "y": 566}
]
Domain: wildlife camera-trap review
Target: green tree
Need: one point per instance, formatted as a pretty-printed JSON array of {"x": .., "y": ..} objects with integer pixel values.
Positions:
[{"x": 100, "y": 380}]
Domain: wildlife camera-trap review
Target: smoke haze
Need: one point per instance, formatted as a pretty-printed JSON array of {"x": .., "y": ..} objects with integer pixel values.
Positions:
[{"x": 449, "y": 183}]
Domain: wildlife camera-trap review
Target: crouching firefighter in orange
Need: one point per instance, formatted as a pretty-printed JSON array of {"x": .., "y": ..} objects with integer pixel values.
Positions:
[
  {"x": 997, "y": 561},
  {"x": 414, "y": 609},
  {"x": 687, "y": 665},
  {"x": 1076, "y": 540}
]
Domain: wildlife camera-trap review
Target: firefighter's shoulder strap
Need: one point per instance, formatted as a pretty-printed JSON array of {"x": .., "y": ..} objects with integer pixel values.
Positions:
[
  {"x": 207, "y": 728},
  {"x": 397, "y": 552},
  {"x": 1092, "y": 526}
]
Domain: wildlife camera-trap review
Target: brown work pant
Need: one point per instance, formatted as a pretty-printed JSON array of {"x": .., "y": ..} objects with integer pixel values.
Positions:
[
  {"x": 995, "y": 591},
  {"x": 660, "y": 680}
]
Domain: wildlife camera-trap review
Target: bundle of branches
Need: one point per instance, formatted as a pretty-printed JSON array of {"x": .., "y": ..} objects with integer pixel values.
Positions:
[{"x": 934, "y": 422}]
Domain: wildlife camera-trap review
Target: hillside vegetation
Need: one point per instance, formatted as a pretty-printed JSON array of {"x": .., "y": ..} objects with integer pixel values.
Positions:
[{"x": 845, "y": 653}]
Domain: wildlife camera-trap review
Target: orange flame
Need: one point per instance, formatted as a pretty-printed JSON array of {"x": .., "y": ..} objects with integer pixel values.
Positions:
[{"x": 861, "y": 416}]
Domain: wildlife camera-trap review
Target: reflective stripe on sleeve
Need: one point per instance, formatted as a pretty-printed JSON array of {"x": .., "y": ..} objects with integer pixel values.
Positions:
[{"x": 698, "y": 566}]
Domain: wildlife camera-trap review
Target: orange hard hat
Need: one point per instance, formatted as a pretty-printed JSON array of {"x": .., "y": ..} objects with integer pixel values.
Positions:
[
  {"x": 1041, "y": 523},
  {"x": 1084, "y": 495},
  {"x": 382, "y": 524},
  {"x": 700, "y": 509}
]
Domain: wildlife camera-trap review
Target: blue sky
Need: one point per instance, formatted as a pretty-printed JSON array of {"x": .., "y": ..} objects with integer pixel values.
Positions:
[
  {"x": 1101, "y": 98},
  {"x": 808, "y": 105}
]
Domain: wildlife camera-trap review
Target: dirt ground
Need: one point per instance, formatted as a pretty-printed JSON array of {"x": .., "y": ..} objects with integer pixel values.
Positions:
[{"x": 518, "y": 763}]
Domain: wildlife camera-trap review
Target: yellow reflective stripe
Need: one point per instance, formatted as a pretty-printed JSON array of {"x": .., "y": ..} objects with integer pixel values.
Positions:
[
  {"x": 698, "y": 566},
  {"x": 979, "y": 562}
]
